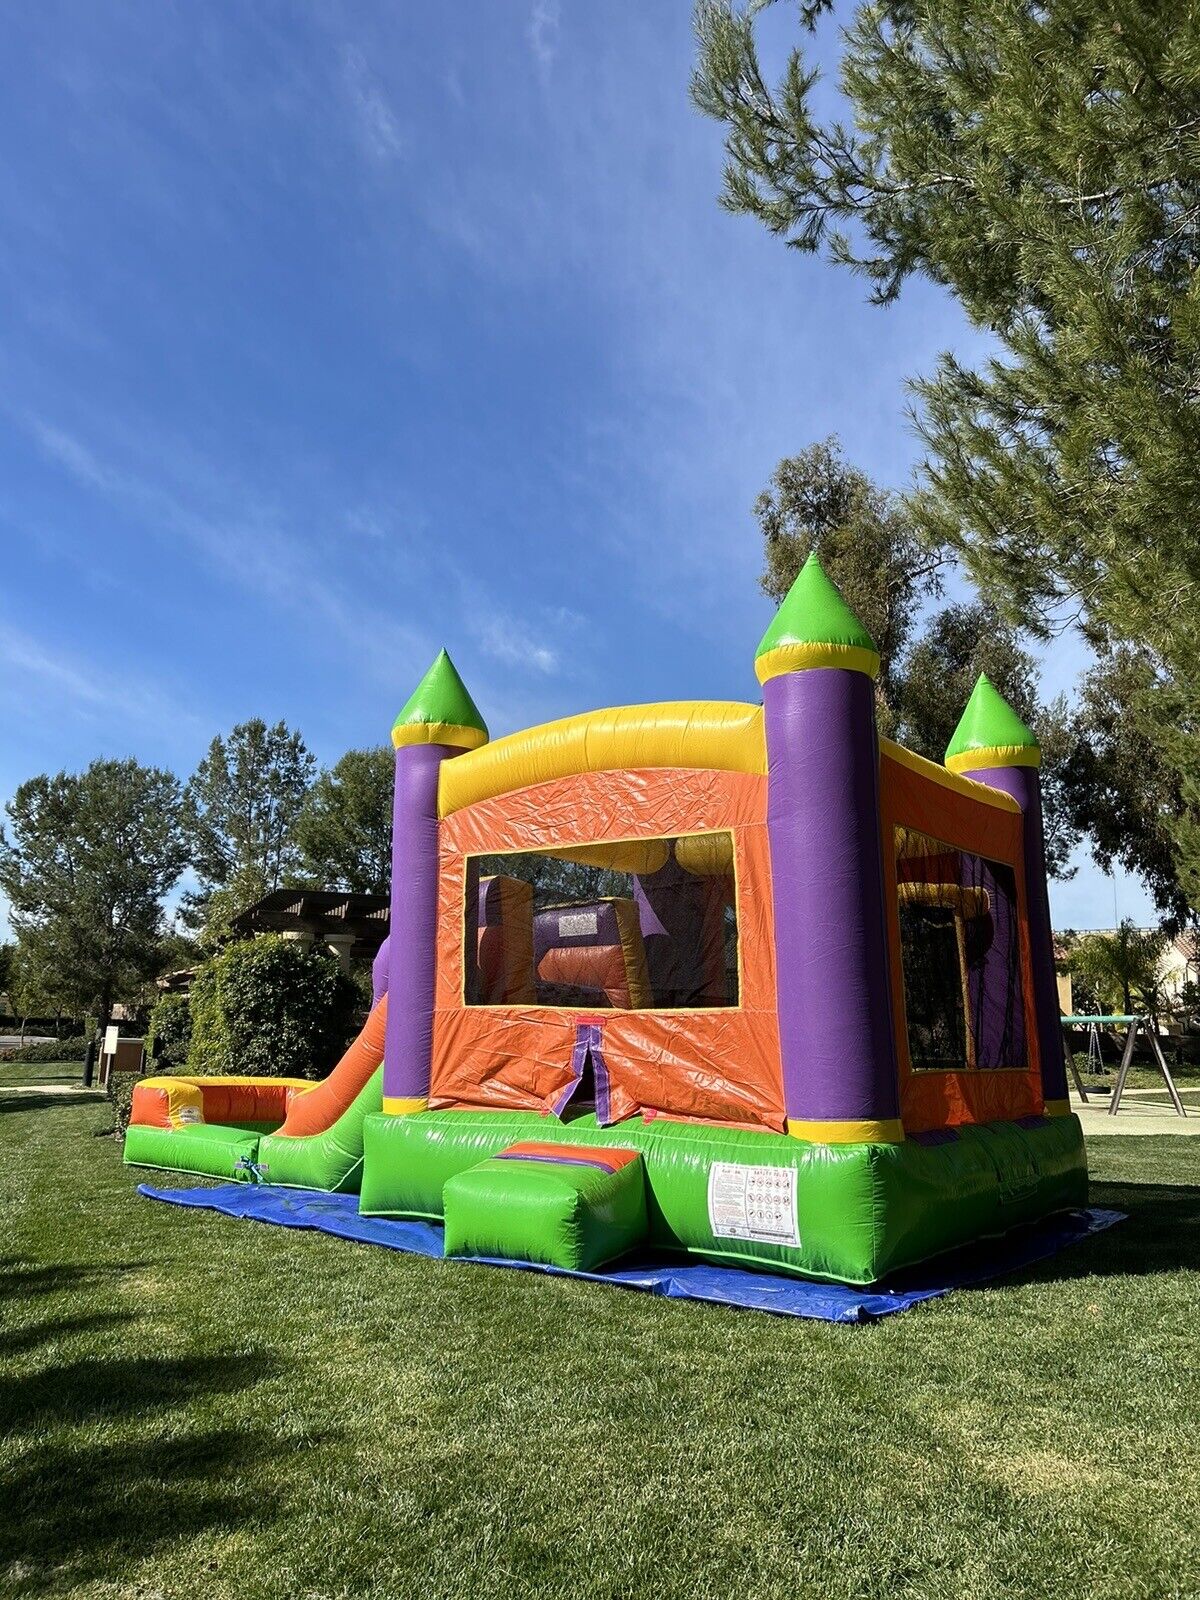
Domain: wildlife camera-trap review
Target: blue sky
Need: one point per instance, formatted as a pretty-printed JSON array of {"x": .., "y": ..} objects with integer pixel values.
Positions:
[{"x": 333, "y": 333}]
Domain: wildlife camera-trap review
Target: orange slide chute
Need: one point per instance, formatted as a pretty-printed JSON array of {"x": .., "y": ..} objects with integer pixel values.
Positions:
[{"x": 320, "y": 1107}]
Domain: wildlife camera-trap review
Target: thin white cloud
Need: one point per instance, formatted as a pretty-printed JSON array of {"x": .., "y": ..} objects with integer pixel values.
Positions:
[
  {"x": 72, "y": 454},
  {"x": 545, "y": 22},
  {"x": 515, "y": 645},
  {"x": 43, "y": 683},
  {"x": 246, "y": 545},
  {"x": 307, "y": 582},
  {"x": 376, "y": 124}
]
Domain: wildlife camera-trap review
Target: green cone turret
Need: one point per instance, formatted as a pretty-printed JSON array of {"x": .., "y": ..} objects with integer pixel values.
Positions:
[
  {"x": 991, "y": 734},
  {"x": 440, "y": 711},
  {"x": 814, "y": 627}
]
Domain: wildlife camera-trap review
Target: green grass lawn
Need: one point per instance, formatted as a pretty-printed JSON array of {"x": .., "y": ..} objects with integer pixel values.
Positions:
[
  {"x": 197, "y": 1407},
  {"x": 30, "y": 1072}
]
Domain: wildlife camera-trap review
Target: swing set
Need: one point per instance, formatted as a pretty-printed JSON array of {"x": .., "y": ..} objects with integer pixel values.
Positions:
[{"x": 1095, "y": 1062}]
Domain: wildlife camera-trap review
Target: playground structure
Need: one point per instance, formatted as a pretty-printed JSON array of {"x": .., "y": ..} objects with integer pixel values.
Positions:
[
  {"x": 743, "y": 982},
  {"x": 1133, "y": 1025}
]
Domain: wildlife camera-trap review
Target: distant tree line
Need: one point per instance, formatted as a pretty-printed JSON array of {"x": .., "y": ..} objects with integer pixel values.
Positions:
[{"x": 89, "y": 860}]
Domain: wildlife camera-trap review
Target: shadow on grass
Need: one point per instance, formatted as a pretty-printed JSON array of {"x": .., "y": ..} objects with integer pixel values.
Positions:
[
  {"x": 1161, "y": 1234},
  {"x": 81, "y": 1391},
  {"x": 37, "y": 1100},
  {"x": 1163, "y": 1230},
  {"x": 19, "y": 1279},
  {"x": 30, "y": 1337},
  {"x": 77, "y": 1513}
]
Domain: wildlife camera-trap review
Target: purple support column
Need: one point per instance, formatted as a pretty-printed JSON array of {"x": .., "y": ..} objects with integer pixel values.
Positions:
[
  {"x": 834, "y": 987},
  {"x": 412, "y": 939},
  {"x": 1025, "y": 786},
  {"x": 379, "y": 973}
]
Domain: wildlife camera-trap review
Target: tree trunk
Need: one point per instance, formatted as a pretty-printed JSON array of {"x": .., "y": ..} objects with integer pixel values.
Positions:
[
  {"x": 104, "y": 1017},
  {"x": 106, "y": 1005}
]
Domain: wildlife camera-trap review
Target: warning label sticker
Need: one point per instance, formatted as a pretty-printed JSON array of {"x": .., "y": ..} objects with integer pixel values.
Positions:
[
  {"x": 575, "y": 924},
  {"x": 756, "y": 1203}
]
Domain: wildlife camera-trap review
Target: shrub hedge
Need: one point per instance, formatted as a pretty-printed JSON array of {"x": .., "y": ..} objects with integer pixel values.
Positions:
[
  {"x": 120, "y": 1096},
  {"x": 169, "y": 1033},
  {"x": 52, "y": 1050},
  {"x": 270, "y": 1007}
]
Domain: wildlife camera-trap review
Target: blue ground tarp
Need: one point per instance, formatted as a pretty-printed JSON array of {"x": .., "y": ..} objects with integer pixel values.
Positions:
[{"x": 678, "y": 1280}]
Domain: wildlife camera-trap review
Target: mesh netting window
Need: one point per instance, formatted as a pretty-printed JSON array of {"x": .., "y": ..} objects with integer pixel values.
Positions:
[
  {"x": 960, "y": 950},
  {"x": 645, "y": 924}
]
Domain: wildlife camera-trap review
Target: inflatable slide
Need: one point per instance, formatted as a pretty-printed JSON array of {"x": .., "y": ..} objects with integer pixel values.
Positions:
[{"x": 292, "y": 1132}]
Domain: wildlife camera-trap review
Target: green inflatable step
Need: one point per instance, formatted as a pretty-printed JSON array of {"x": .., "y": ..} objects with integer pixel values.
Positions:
[
  {"x": 204, "y": 1147},
  {"x": 558, "y": 1205}
]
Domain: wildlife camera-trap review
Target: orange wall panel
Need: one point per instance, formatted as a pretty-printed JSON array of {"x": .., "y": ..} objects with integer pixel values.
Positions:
[{"x": 720, "y": 1063}]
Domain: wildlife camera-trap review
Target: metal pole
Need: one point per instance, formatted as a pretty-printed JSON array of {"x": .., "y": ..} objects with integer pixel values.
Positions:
[
  {"x": 1162, "y": 1067},
  {"x": 1126, "y": 1059},
  {"x": 1070, "y": 1054}
]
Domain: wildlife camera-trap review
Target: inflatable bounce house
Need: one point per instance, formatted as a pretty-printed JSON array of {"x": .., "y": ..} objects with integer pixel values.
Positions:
[{"x": 743, "y": 982}]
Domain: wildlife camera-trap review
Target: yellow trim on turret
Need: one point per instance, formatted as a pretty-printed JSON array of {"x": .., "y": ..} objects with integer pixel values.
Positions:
[
  {"x": 996, "y": 755},
  {"x": 402, "y": 1105},
  {"x": 798, "y": 657},
  {"x": 887, "y": 1131},
  {"x": 452, "y": 733},
  {"x": 723, "y": 734},
  {"x": 971, "y": 787},
  {"x": 1057, "y": 1108}
]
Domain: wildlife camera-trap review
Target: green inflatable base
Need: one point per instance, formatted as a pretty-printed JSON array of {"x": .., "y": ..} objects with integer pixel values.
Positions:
[
  {"x": 331, "y": 1160},
  {"x": 861, "y": 1211}
]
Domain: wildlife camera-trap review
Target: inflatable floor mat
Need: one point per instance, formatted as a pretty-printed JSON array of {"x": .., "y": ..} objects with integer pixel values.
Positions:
[{"x": 676, "y": 1279}]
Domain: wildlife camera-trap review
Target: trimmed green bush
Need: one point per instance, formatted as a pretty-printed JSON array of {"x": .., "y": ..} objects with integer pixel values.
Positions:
[
  {"x": 170, "y": 1033},
  {"x": 53, "y": 1050},
  {"x": 120, "y": 1089},
  {"x": 271, "y": 1007}
]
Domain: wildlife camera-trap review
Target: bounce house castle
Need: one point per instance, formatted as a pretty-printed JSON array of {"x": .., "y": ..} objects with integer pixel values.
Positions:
[{"x": 747, "y": 983}]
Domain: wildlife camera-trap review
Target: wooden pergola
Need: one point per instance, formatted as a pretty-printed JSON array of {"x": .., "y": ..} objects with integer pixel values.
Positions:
[{"x": 353, "y": 925}]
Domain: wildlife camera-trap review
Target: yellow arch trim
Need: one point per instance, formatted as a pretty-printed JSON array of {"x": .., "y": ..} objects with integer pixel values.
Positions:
[
  {"x": 970, "y": 787},
  {"x": 995, "y": 755},
  {"x": 1057, "y": 1108},
  {"x": 723, "y": 734},
  {"x": 888, "y": 1131},
  {"x": 624, "y": 855},
  {"x": 706, "y": 855},
  {"x": 797, "y": 657},
  {"x": 451, "y": 733}
]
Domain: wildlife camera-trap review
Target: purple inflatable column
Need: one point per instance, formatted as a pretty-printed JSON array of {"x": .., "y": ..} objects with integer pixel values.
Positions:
[
  {"x": 993, "y": 745},
  {"x": 816, "y": 663},
  {"x": 439, "y": 722},
  {"x": 379, "y": 973}
]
